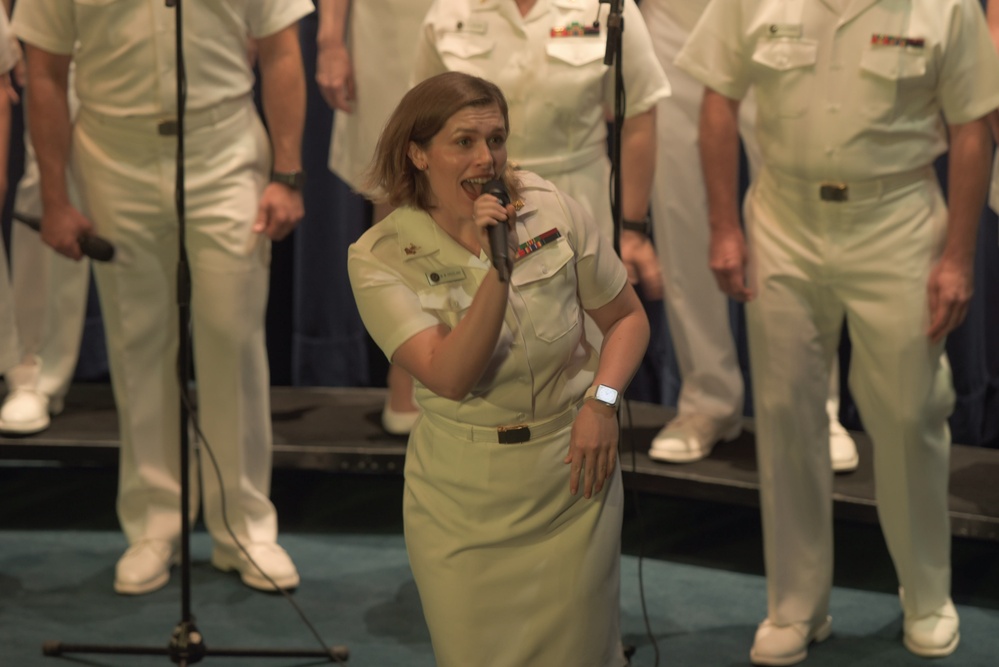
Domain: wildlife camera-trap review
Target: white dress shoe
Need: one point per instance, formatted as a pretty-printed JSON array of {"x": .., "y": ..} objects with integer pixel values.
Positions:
[
  {"x": 842, "y": 448},
  {"x": 266, "y": 556},
  {"x": 144, "y": 567},
  {"x": 779, "y": 645},
  {"x": 398, "y": 423},
  {"x": 691, "y": 437},
  {"x": 934, "y": 635},
  {"x": 24, "y": 412}
]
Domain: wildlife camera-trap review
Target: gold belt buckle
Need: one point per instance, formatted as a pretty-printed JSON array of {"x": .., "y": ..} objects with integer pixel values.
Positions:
[
  {"x": 167, "y": 128},
  {"x": 511, "y": 435},
  {"x": 834, "y": 192}
]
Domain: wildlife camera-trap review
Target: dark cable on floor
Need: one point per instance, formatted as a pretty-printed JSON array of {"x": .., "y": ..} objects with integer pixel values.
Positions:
[
  {"x": 641, "y": 529},
  {"x": 204, "y": 444}
]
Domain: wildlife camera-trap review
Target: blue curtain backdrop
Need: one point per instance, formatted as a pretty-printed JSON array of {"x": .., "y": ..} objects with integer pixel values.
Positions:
[{"x": 315, "y": 336}]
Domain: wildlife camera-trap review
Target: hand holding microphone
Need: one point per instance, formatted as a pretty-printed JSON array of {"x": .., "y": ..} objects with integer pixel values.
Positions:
[
  {"x": 95, "y": 247},
  {"x": 499, "y": 233}
]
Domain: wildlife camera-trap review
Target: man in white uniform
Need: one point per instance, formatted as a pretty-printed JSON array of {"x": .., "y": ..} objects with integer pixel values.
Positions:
[
  {"x": 710, "y": 405},
  {"x": 9, "y": 55},
  {"x": 50, "y": 303},
  {"x": 124, "y": 162},
  {"x": 846, "y": 221},
  {"x": 365, "y": 53},
  {"x": 548, "y": 59}
]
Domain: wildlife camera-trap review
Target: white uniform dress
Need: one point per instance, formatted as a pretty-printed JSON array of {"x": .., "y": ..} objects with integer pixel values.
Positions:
[
  {"x": 382, "y": 39},
  {"x": 556, "y": 84},
  {"x": 512, "y": 570},
  {"x": 123, "y": 158},
  {"x": 10, "y": 348},
  {"x": 850, "y": 97}
]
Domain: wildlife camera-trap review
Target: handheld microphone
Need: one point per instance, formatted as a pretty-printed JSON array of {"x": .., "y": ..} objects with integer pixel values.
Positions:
[
  {"x": 499, "y": 232},
  {"x": 95, "y": 247}
]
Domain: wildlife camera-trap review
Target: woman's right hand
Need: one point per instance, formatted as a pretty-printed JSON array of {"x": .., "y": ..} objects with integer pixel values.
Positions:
[{"x": 487, "y": 211}]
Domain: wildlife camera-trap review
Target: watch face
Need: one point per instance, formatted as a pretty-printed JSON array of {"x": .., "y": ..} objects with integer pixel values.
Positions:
[{"x": 606, "y": 395}]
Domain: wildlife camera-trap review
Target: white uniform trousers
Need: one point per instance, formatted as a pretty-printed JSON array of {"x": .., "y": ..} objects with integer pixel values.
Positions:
[
  {"x": 126, "y": 171},
  {"x": 696, "y": 310},
  {"x": 50, "y": 292},
  {"x": 50, "y": 305},
  {"x": 10, "y": 347},
  {"x": 812, "y": 264}
]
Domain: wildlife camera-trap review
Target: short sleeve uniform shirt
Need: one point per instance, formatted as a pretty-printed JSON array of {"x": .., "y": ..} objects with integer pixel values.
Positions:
[
  {"x": 849, "y": 94},
  {"x": 549, "y": 65},
  {"x": 125, "y": 51},
  {"x": 408, "y": 276}
]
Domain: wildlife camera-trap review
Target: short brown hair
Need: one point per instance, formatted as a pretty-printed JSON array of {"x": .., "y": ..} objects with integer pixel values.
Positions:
[{"x": 420, "y": 115}]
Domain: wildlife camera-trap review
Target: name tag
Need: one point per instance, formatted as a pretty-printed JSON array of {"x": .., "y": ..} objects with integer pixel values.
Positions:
[
  {"x": 445, "y": 276},
  {"x": 477, "y": 26},
  {"x": 784, "y": 30}
]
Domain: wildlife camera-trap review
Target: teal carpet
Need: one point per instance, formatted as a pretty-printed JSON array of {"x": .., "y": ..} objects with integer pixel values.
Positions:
[{"x": 701, "y": 574}]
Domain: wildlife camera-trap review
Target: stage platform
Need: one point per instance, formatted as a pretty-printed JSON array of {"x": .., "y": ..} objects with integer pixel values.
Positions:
[{"x": 337, "y": 430}]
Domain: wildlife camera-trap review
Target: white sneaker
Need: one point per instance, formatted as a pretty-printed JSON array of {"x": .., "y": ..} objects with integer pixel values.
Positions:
[
  {"x": 24, "y": 412},
  {"x": 935, "y": 635},
  {"x": 842, "y": 448},
  {"x": 781, "y": 645},
  {"x": 398, "y": 423},
  {"x": 268, "y": 560},
  {"x": 691, "y": 437},
  {"x": 144, "y": 567}
]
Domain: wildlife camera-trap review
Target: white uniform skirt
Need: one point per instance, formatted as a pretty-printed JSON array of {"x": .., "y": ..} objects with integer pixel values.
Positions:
[{"x": 512, "y": 569}]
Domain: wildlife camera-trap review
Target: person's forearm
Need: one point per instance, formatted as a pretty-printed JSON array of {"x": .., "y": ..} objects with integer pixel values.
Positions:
[
  {"x": 283, "y": 91},
  {"x": 626, "y": 336},
  {"x": 332, "y": 22},
  {"x": 48, "y": 115},
  {"x": 969, "y": 161},
  {"x": 719, "y": 148},
  {"x": 992, "y": 16},
  {"x": 638, "y": 163},
  {"x": 454, "y": 364},
  {"x": 5, "y": 121}
]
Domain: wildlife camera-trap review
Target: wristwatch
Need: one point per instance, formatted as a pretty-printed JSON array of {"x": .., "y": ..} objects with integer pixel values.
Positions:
[
  {"x": 643, "y": 226},
  {"x": 604, "y": 394},
  {"x": 292, "y": 179}
]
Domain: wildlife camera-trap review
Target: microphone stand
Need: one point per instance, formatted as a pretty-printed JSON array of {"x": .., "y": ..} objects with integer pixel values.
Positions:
[
  {"x": 187, "y": 645},
  {"x": 614, "y": 55}
]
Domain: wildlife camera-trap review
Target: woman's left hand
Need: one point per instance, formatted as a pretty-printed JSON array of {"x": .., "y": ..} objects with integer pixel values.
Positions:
[{"x": 592, "y": 448}]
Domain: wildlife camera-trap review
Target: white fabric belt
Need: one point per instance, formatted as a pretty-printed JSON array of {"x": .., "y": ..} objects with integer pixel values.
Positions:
[
  {"x": 562, "y": 163},
  {"x": 504, "y": 435},
  {"x": 167, "y": 125},
  {"x": 844, "y": 191}
]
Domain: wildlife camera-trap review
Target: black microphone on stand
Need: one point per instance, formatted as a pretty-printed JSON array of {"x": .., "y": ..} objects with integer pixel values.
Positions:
[
  {"x": 95, "y": 247},
  {"x": 499, "y": 232}
]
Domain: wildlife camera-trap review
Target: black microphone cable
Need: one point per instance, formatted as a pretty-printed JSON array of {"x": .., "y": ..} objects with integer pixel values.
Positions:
[
  {"x": 635, "y": 498},
  {"x": 202, "y": 440}
]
